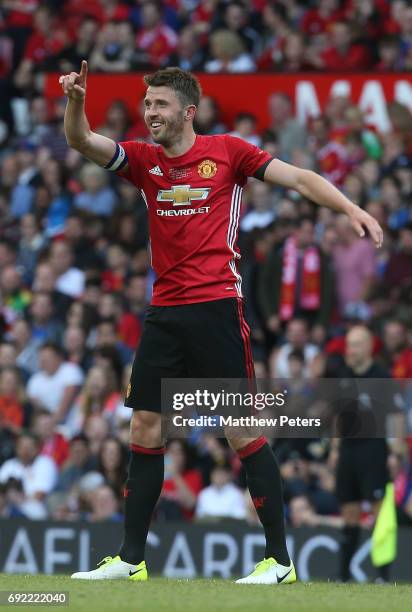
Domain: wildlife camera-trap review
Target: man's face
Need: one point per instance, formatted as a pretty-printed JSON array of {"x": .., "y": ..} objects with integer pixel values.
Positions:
[
  {"x": 299, "y": 510},
  {"x": 8, "y": 355},
  {"x": 44, "y": 426},
  {"x": 74, "y": 339},
  {"x": 26, "y": 450},
  {"x": 394, "y": 336},
  {"x": 79, "y": 452},
  {"x": 260, "y": 195},
  {"x": 41, "y": 308},
  {"x": 406, "y": 23},
  {"x": 87, "y": 31},
  {"x": 305, "y": 234},
  {"x": 10, "y": 279},
  {"x": 341, "y": 35},
  {"x": 279, "y": 108},
  {"x": 61, "y": 257},
  {"x": 136, "y": 291},
  {"x": 235, "y": 17},
  {"x": 45, "y": 278},
  {"x": 49, "y": 360},
  {"x": 220, "y": 477},
  {"x": 106, "y": 334},
  {"x": 164, "y": 115},
  {"x": 297, "y": 334},
  {"x": 405, "y": 240},
  {"x": 358, "y": 347}
]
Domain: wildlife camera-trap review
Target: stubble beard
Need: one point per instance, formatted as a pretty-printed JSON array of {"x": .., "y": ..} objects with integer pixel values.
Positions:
[{"x": 173, "y": 133}]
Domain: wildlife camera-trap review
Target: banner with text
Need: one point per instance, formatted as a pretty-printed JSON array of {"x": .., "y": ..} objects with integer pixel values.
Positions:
[{"x": 176, "y": 550}]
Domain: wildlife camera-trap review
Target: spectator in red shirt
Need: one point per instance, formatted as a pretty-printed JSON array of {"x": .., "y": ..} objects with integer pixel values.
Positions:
[
  {"x": 293, "y": 57},
  {"x": 331, "y": 156},
  {"x": 128, "y": 326},
  {"x": 322, "y": 18},
  {"x": 113, "y": 277},
  {"x": 12, "y": 411},
  {"x": 53, "y": 444},
  {"x": 136, "y": 295},
  {"x": 46, "y": 41},
  {"x": 396, "y": 350},
  {"x": 102, "y": 11},
  {"x": 182, "y": 483},
  {"x": 394, "y": 18},
  {"x": 155, "y": 40},
  {"x": 343, "y": 54},
  {"x": 276, "y": 30},
  {"x": 138, "y": 130},
  {"x": 20, "y": 12},
  {"x": 202, "y": 17}
]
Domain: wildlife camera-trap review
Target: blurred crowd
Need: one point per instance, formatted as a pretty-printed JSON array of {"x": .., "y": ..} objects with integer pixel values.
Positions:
[
  {"x": 201, "y": 35},
  {"x": 75, "y": 276}
]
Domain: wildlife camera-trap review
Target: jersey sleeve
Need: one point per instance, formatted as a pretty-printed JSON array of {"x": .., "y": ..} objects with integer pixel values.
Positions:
[
  {"x": 133, "y": 151},
  {"x": 247, "y": 159}
]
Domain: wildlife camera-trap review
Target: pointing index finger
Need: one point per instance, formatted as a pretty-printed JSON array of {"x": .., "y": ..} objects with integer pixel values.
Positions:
[{"x": 83, "y": 70}]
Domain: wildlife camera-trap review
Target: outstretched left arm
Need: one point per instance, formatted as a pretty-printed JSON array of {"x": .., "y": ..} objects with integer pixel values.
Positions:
[{"x": 319, "y": 190}]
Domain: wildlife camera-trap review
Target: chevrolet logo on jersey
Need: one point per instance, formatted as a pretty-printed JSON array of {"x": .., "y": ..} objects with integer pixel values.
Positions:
[{"x": 182, "y": 195}]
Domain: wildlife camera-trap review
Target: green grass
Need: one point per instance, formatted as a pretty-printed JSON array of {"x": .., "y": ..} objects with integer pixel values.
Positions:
[{"x": 160, "y": 594}]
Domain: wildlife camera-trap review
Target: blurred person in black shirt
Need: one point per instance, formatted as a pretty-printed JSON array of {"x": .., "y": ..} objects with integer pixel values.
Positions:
[{"x": 361, "y": 473}]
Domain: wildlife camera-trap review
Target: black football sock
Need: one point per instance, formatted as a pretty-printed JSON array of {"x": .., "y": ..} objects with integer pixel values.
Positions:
[
  {"x": 349, "y": 543},
  {"x": 142, "y": 490},
  {"x": 265, "y": 486}
]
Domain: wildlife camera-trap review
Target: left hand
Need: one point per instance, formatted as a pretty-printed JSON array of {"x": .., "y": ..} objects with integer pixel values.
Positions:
[{"x": 361, "y": 220}]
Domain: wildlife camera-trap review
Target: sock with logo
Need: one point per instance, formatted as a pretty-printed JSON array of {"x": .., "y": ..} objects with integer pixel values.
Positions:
[
  {"x": 265, "y": 486},
  {"x": 142, "y": 490},
  {"x": 349, "y": 543}
]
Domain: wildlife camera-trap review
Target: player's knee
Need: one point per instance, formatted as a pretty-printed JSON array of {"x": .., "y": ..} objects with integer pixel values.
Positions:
[
  {"x": 145, "y": 429},
  {"x": 237, "y": 443}
]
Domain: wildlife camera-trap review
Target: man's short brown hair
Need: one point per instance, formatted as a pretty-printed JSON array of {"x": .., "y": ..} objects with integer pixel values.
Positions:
[{"x": 184, "y": 83}]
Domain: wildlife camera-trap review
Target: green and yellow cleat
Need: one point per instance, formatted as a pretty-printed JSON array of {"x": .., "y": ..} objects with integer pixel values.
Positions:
[
  {"x": 269, "y": 571},
  {"x": 113, "y": 568}
]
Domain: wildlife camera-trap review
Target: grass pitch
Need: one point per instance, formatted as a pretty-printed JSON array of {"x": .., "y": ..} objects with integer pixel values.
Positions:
[{"x": 160, "y": 594}]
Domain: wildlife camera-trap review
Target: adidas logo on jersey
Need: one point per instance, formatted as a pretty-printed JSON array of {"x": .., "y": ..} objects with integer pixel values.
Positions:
[{"x": 156, "y": 170}]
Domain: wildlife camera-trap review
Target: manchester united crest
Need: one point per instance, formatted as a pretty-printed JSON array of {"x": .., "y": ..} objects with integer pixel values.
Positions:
[{"x": 207, "y": 169}]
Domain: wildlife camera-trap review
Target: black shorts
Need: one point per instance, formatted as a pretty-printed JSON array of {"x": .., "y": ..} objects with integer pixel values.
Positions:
[
  {"x": 203, "y": 340},
  {"x": 362, "y": 472}
]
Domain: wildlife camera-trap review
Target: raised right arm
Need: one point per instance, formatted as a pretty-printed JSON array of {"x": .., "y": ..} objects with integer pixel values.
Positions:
[{"x": 97, "y": 148}]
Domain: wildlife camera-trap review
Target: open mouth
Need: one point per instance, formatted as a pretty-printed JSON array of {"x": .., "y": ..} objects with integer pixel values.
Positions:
[{"x": 155, "y": 124}]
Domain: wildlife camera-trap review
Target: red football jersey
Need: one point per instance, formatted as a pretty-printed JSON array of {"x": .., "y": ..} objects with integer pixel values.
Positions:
[{"x": 193, "y": 204}]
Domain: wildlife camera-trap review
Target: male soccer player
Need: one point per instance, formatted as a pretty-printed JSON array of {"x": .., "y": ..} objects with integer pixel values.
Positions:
[{"x": 192, "y": 186}]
